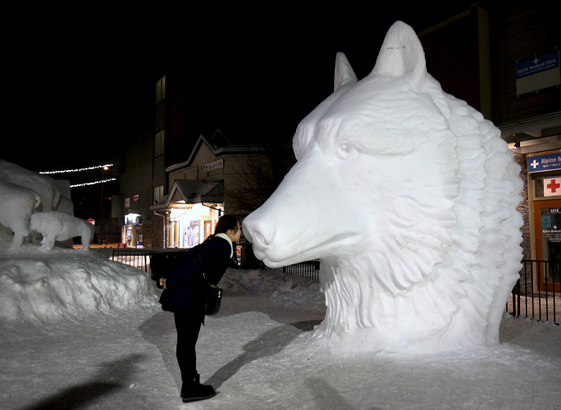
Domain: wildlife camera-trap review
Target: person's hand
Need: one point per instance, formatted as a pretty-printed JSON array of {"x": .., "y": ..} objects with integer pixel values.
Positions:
[{"x": 163, "y": 283}]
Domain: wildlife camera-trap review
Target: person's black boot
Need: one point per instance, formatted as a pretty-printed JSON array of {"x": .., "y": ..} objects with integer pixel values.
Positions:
[{"x": 195, "y": 391}]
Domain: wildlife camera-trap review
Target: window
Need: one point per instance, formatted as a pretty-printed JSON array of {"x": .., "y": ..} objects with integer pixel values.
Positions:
[
  {"x": 161, "y": 89},
  {"x": 158, "y": 193},
  {"x": 159, "y": 144},
  {"x": 548, "y": 184}
]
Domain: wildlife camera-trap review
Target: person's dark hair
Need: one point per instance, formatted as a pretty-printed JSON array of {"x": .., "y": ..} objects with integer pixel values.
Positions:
[{"x": 225, "y": 223}]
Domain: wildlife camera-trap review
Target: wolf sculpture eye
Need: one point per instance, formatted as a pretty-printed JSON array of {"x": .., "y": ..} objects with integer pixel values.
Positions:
[{"x": 347, "y": 151}]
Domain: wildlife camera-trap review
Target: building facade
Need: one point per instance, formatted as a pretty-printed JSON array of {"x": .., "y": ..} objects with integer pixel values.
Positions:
[
  {"x": 203, "y": 188},
  {"x": 164, "y": 132},
  {"x": 503, "y": 59}
]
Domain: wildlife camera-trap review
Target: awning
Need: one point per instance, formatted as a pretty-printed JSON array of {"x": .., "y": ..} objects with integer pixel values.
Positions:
[{"x": 186, "y": 191}]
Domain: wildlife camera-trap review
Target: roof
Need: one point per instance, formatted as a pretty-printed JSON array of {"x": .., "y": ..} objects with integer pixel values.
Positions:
[
  {"x": 217, "y": 151},
  {"x": 192, "y": 192}
]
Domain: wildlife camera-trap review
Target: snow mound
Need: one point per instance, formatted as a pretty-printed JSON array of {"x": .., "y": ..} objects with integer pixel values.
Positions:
[
  {"x": 285, "y": 289},
  {"x": 37, "y": 286}
]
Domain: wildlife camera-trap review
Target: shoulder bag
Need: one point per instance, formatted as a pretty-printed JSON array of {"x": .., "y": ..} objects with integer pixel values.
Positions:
[{"x": 213, "y": 299}]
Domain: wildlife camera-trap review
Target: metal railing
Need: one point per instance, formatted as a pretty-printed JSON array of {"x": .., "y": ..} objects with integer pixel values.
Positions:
[
  {"x": 531, "y": 297},
  {"x": 308, "y": 270},
  {"x": 140, "y": 259},
  {"x": 137, "y": 258},
  {"x": 536, "y": 294}
]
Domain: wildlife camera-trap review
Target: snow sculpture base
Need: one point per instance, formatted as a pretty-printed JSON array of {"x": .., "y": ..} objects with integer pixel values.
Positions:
[{"x": 409, "y": 197}]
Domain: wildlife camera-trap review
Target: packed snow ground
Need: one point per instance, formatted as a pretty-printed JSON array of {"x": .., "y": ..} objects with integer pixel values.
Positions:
[{"x": 80, "y": 331}]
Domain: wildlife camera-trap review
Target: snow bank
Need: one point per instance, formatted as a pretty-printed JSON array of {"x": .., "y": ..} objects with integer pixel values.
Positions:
[{"x": 36, "y": 286}]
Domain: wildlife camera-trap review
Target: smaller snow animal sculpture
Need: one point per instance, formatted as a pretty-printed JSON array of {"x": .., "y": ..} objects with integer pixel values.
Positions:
[
  {"x": 44, "y": 185},
  {"x": 59, "y": 226},
  {"x": 408, "y": 196},
  {"x": 17, "y": 204}
]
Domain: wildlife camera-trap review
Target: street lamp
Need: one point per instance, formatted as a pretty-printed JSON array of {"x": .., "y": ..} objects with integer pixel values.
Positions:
[{"x": 101, "y": 226}]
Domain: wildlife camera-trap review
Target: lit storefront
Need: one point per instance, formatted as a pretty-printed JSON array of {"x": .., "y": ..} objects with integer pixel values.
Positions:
[
  {"x": 539, "y": 154},
  {"x": 544, "y": 196},
  {"x": 133, "y": 236},
  {"x": 190, "y": 212}
]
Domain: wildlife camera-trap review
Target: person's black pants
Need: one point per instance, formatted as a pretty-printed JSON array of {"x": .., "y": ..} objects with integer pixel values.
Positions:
[{"x": 188, "y": 326}]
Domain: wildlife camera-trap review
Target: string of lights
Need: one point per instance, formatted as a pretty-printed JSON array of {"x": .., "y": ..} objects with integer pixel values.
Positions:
[
  {"x": 66, "y": 171},
  {"x": 92, "y": 183}
]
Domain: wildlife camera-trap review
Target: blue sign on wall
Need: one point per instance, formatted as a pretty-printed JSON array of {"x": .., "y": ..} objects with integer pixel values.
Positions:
[
  {"x": 540, "y": 163},
  {"x": 537, "y": 64}
]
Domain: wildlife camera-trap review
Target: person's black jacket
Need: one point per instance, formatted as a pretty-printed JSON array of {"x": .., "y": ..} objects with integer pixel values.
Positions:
[{"x": 186, "y": 288}]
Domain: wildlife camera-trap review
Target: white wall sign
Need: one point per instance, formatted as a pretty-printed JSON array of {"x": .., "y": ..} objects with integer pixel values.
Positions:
[{"x": 214, "y": 165}]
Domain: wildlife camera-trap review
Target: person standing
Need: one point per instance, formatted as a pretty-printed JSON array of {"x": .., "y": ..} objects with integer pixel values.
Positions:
[{"x": 184, "y": 295}]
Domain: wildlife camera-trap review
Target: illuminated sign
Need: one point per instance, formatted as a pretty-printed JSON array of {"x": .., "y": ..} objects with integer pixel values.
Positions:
[
  {"x": 538, "y": 72},
  {"x": 131, "y": 219},
  {"x": 540, "y": 163},
  {"x": 537, "y": 64}
]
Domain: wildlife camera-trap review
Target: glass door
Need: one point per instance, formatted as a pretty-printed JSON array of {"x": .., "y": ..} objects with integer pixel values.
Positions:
[{"x": 547, "y": 218}]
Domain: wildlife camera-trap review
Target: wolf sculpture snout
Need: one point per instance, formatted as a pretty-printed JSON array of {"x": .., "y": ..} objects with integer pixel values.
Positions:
[
  {"x": 252, "y": 231},
  {"x": 261, "y": 235}
]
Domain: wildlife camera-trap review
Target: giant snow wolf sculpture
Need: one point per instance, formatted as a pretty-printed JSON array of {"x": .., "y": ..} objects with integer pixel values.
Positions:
[{"x": 409, "y": 197}]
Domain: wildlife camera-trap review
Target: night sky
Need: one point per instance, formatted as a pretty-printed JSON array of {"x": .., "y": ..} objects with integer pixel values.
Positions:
[
  {"x": 77, "y": 82},
  {"x": 81, "y": 80}
]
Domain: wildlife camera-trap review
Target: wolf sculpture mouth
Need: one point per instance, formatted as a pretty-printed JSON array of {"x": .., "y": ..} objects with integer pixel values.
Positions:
[{"x": 275, "y": 256}]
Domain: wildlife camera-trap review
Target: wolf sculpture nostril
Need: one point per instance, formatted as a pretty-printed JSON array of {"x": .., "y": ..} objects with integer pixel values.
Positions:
[{"x": 259, "y": 239}]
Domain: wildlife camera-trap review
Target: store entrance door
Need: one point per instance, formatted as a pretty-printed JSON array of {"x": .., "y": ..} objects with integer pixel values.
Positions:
[{"x": 547, "y": 222}]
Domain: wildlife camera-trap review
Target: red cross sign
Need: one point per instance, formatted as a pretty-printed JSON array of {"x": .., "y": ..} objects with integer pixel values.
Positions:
[{"x": 551, "y": 186}]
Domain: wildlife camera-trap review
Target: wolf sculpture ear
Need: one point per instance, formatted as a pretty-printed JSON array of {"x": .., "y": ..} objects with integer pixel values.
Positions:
[
  {"x": 344, "y": 73},
  {"x": 402, "y": 55}
]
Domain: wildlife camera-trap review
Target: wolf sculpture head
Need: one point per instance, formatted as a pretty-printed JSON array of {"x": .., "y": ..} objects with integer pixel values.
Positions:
[{"x": 408, "y": 196}]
